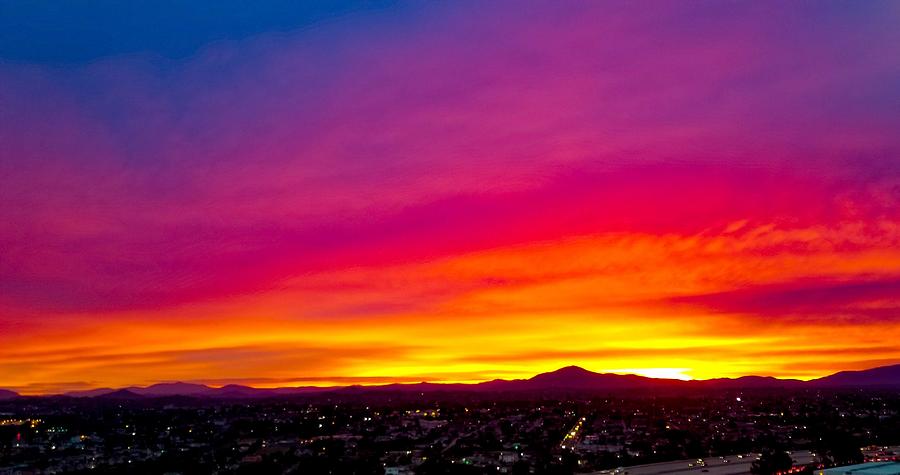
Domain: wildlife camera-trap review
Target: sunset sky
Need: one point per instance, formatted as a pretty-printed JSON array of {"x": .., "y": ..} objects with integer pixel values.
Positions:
[{"x": 383, "y": 192}]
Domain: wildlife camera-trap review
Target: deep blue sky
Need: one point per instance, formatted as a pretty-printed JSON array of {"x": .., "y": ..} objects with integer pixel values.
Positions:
[{"x": 60, "y": 31}]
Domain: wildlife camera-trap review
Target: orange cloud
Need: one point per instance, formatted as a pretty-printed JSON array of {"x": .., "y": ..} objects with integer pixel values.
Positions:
[{"x": 608, "y": 302}]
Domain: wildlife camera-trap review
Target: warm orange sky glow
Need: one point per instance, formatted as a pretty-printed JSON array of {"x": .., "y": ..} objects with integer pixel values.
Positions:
[
  {"x": 455, "y": 193},
  {"x": 659, "y": 306}
]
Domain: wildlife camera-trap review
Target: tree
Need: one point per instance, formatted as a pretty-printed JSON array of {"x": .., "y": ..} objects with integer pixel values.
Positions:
[
  {"x": 772, "y": 462},
  {"x": 840, "y": 448}
]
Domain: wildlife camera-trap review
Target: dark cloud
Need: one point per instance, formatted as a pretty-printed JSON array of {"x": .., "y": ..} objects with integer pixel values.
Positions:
[{"x": 809, "y": 298}]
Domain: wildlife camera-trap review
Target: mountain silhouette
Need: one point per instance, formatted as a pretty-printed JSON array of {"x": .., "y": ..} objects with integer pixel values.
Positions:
[
  {"x": 575, "y": 377},
  {"x": 569, "y": 378},
  {"x": 886, "y": 376},
  {"x": 121, "y": 394},
  {"x": 750, "y": 382},
  {"x": 5, "y": 394},
  {"x": 90, "y": 392},
  {"x": 173, "y": 389}
]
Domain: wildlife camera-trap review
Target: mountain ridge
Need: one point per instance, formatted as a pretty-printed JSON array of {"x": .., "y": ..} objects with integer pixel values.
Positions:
[
  {"x": 6, "y": 394},
  {"x": 569, "y": 378}
]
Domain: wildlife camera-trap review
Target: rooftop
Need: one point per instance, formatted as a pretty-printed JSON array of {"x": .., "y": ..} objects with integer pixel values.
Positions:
[{"x": 871, "y": 468}]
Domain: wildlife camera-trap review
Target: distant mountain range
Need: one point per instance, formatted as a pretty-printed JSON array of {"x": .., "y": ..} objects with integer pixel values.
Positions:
[
  {"x": 883, "y": 375},
  {"x": 570, "y": 378},
  {"x": 4, "y": 394}
]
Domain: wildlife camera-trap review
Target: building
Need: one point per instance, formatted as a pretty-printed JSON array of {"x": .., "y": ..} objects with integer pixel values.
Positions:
[{"x": 871, "y": 468}]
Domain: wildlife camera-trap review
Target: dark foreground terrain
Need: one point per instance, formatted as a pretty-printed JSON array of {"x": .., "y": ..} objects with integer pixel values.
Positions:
[{"x": 442, "y": 432}]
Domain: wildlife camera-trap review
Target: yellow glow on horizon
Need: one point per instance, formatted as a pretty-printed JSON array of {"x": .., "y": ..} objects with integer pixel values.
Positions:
[{"x": 616, "y": 306}]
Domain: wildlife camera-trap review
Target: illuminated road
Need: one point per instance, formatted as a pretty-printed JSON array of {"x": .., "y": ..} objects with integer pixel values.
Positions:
[
  {"x": 725, "y": 465},
  {"x": 571, "y": 437}
]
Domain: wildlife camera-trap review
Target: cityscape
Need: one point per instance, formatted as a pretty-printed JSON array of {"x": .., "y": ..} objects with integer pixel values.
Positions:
[{"x": 425, "y": 429}]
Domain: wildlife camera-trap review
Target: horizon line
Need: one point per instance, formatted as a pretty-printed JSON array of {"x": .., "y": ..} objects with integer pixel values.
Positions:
[{"x": 214, "y": 384}]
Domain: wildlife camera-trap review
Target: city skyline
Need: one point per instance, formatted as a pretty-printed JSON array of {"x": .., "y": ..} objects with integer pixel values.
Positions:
[{"x": 391, "y": 192}]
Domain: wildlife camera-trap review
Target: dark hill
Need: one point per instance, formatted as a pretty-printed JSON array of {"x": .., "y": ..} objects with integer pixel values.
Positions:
[
  {"x": 574, "y": 377},
  {"x": 883, "y": 376},
  {"x": 568, "y": 379},
  {"x": 749, "y": 382},
  {"x": 121, "y": 394},
  {"x": 90, "y": 392},
  {"x": 173, "y": 389},
  {"x": 6, "y": 394}
]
